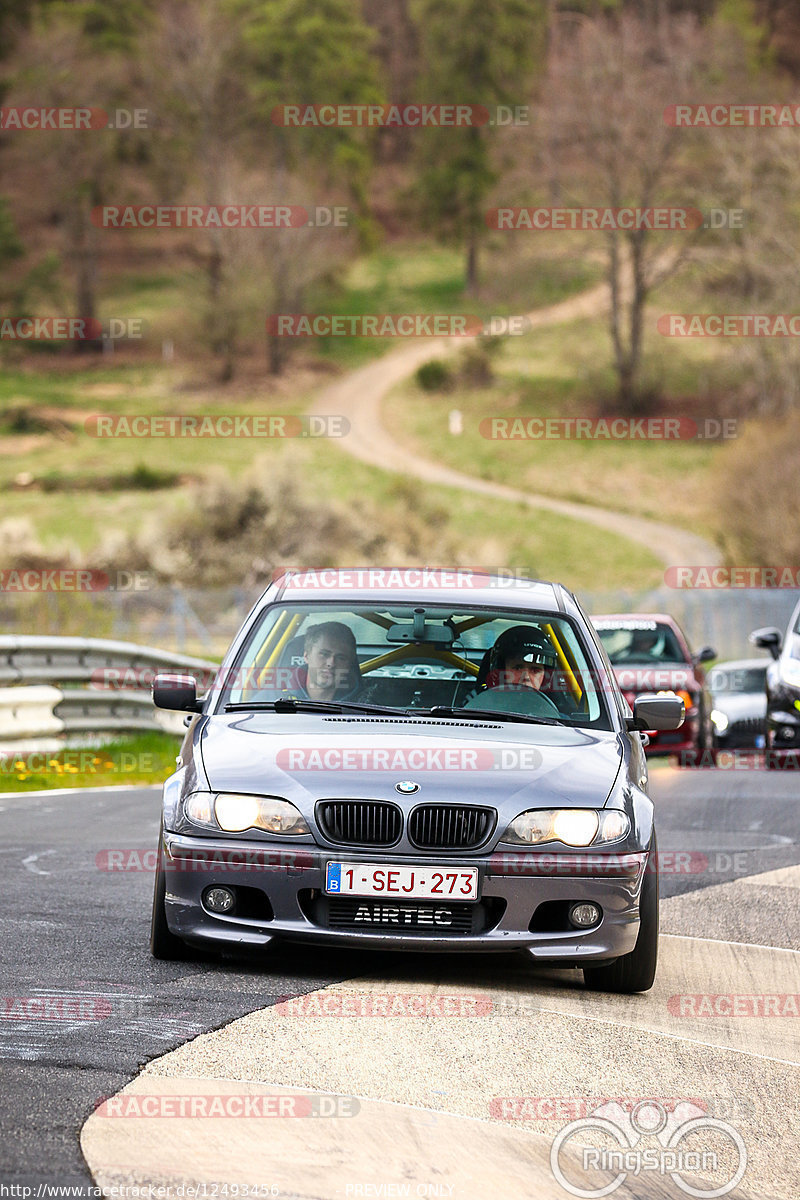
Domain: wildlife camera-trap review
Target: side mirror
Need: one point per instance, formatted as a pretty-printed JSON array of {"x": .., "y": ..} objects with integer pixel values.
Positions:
[
  {"x": 705, "y": 655},
  {"x": 656, "y": 712},
  {"x": 176, "y": 692},
  {"x": 768, "y": 638}
]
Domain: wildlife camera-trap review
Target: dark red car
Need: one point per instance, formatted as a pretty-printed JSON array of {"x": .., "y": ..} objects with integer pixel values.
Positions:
[{"x": 649, "y": 653}]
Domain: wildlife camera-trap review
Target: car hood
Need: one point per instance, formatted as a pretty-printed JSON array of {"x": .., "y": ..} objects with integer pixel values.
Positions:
[{"x": 304, "y": 758}]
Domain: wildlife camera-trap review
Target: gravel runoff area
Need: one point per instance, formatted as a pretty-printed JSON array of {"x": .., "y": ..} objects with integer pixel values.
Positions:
[{"x": 464, "y": 1074}]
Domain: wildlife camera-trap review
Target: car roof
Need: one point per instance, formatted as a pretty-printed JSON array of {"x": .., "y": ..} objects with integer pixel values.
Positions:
[
  {"x": 664, "y": 618},
  {"x": 388, "y": 586}
]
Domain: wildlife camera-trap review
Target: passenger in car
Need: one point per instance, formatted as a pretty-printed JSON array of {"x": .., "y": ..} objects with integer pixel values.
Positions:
[
  {"x": 645, "y": 644},
  {"x": 330, "y": 670}
]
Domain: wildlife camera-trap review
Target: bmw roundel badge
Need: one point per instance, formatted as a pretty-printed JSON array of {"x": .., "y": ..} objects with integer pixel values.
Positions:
[{"x": 407, "y": 787}]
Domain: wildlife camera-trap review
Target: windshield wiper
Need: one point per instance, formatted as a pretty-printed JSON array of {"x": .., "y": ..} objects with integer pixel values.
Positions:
[
  {"x": 288, "y": 704},
  {"x": 475, "y": 714}
]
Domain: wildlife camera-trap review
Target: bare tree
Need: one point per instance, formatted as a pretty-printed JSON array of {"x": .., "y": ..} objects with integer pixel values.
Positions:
[
  {"x": 612, "y": 81},
  {"x": 55, "y": 66}
]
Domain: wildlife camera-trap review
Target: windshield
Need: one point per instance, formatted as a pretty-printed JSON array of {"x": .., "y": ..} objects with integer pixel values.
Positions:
[
  {"x": 639, "y": 641},
  {"x": 420, "y": 658}
]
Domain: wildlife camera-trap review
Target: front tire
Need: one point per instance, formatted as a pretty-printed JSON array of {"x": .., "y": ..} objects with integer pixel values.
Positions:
[
  {"x": 163, "y": 944},
  {"x": 634, "y": 972}
]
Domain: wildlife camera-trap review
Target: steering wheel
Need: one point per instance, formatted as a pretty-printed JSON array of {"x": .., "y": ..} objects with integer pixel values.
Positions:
[{"x": 524, "y": 700}]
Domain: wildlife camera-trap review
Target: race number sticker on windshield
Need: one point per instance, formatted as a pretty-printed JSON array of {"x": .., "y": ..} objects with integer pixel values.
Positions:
[{"x": 421, "y": 883}]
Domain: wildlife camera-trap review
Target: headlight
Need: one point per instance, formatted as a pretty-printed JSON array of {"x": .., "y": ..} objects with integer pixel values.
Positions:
[
  {"x": 689, "y": 701},
  {"x": 719, "y": 720},
  {"x": 235, "y": 813},
  {"x": 198, "y": 808},
  {"x": 572, "y": 826},
  {"x": 791, "y": 672}
]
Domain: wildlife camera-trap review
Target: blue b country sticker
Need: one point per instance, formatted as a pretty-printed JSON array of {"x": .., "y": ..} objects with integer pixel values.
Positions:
[{"x": 333, "y": 881}]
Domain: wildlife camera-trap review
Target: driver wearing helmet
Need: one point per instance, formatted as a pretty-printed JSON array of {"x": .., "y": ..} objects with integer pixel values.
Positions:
[
  {"x": 520, "y": 658},
  {"x": 520, "y": 661}
]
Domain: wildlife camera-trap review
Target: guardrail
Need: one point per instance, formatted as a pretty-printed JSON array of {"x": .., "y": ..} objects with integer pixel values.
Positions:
[{"x": 106, "y": 687}]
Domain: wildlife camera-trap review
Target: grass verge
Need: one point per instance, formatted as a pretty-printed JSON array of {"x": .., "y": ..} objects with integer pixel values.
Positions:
[{"x": 145, "y": 758}]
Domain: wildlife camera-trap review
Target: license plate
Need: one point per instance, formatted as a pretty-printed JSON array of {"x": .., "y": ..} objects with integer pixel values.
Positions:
[{"x": 417, "y": 883}]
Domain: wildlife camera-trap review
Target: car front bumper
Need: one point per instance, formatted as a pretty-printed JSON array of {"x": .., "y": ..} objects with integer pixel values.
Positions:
[{"x": 523, "y": 904}]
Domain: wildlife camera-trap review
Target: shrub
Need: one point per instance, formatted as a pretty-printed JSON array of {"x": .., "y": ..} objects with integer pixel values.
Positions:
[
  {"x": 238, "y": 531},
  {"x": 756, "y": 493},
  {"x": 435, "y": 376}
]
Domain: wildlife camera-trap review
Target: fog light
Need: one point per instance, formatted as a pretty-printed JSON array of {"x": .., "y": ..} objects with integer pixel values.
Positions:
[
  {"x": 786, "y": 732},
  {"x": 584, "y": 915},
  {"x": 219, "y": 899}
]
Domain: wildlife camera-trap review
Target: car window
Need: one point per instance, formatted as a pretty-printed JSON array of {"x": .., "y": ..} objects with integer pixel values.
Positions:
[
  {"x": 412, "y": 656},
  {"x": 640, "y": 641}
]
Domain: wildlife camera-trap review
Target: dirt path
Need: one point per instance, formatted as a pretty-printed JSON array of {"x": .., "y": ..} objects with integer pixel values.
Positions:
[{"x": 359, "y": 396}]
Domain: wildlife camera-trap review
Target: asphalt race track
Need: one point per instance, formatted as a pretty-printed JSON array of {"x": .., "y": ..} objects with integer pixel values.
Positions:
[{"x": 84, "y": 1008}]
